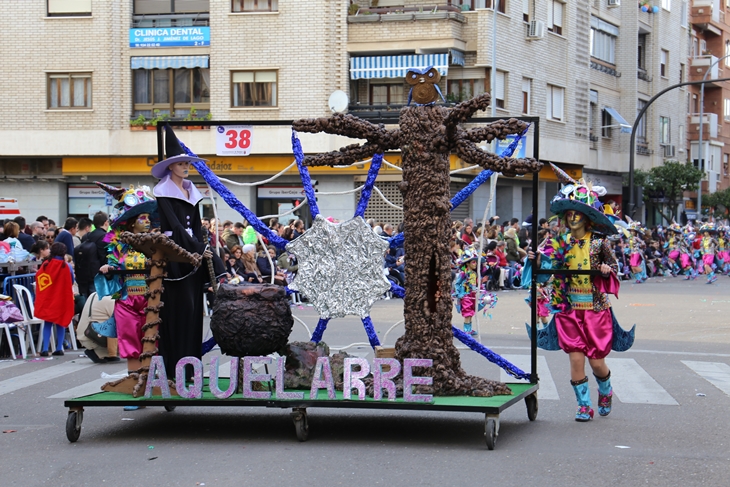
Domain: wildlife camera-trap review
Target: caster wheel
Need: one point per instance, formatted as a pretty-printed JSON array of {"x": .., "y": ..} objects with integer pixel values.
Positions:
[
  {"x": 301, "y": 425},
  {"x": 531, "y": 403},
  {"x": 73, "y": 425},
  {"x": 170, "y": 409},
  {"x": 490, "y": 433}
]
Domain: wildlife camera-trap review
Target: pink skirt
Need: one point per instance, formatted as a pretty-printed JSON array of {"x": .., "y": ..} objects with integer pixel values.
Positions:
[
  {"x": 635, "y": 260},
  {"x": 674, "y": 254},
  {"x": 708, "y": 259},
  {"x": 586, "y": 331},
  {"x": 542, "y": 309},
  {"x": 130, "y": 316},
  {"x": 685, "y": 260},
  {"x": 467, "y": 305}
]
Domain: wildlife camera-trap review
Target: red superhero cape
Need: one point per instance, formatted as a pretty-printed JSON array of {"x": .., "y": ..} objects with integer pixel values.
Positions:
[{"x": 54, "y": 299}]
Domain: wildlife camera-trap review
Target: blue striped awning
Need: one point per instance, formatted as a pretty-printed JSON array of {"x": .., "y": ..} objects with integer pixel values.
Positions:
[
  {"x": 169, "y": 62},
  {"x": 373, "y": 67},
  {"x": 457, "y": 57}
]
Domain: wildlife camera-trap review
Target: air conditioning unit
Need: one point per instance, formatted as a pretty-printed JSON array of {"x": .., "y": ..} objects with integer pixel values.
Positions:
[
  {"x": 536, "y": 29},
  {"x": 669, "y": 151},
  {"x": 614, "y": 3}
]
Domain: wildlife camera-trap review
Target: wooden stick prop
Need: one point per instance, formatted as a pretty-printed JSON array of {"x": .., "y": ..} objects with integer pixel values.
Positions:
[{"x": 159, "y": 249}]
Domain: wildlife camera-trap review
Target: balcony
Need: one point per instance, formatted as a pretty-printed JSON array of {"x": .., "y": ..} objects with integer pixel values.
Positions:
[
  {"x": 709, "y": 123},
  {"x": 391, "y": 29},
  {"x": 707, "y": 16},
  {"x": 699, "y": 66}
]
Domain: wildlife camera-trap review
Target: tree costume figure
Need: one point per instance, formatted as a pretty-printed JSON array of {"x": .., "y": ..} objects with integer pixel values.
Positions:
[
  {"x": 133, "y": 213},
  {"x": 583, "y": 320},
  {"x": 181, "y": 330},
  {"x": 426, "y": 136}
]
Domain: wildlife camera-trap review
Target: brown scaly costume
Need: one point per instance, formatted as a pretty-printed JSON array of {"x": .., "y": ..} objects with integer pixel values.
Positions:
[{"x": 426, "y": 137}]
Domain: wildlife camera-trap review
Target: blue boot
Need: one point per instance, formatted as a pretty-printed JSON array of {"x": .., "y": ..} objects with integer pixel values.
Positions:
[
  {"x": 605, "y": 394},
  {"x": 711, "y": 277},
  {"x": 583, "y": 396}
]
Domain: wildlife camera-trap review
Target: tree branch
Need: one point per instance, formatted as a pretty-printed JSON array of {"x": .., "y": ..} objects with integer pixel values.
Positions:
[
  {"x": 472, "y": 154},
  {"x": 343, "y": 157},
  {"x": 464, "y": 110},
  {"x": 496, "y": 130},
  {"x": 349, "y": 126}
]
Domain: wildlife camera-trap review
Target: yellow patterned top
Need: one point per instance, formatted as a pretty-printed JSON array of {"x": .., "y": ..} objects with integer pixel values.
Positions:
[
  {"x": 580, "y": 288},
  {"x": 136, "y": 285}
]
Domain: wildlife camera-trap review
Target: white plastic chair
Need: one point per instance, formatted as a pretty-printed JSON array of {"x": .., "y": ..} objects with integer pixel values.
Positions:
[
  {"x": 21, "y": 338},
  {"x": 29, "y": 319},
  {"x": 30, "y": 316}
]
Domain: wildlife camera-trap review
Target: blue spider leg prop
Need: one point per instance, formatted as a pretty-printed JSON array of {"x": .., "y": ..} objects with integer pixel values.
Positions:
[
  {"x": 319, "y": 331},
  {"x": 208, "y": 345},
  {"x": 467, "y": 340},
  {"x": 304, "y": 175},
  {"x": 483, "y": 176},
  {"x": 370, "y": 330},
  {"x": 215, "y": 183},
  {"x": 367, "y": 189},
  {"x": 439, "y": 92},
  {"x": 397, "y": 290},
  {"x": 397, "y": 240}
]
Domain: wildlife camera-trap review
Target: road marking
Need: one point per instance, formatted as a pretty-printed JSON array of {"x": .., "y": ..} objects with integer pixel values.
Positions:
[
  {"x": 10, "y": 363},
  {"x": 637, "y": 350},
  {"x": 632, "y": 384},
  {"x": 716, "y": 373},
  {"x": 85, "y": 389},
  {"x": 547, "y": 385},
  {"x": 43, "y": 375}
]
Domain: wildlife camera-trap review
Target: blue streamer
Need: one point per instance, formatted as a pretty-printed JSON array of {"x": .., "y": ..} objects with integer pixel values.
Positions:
[
  {"x": 215, "y": 183},
  {"x": 319, "y": 331},
  {"x": 304, "y": 174},
  {"x": 483, "y": 176},
  {"x": 397, "y": 240},
  {"x": 397, "y": 290},
  {"x": 367, "y": 189},
  {"x": 491, "y": 356},
  {"x": 370, "y": 330}
]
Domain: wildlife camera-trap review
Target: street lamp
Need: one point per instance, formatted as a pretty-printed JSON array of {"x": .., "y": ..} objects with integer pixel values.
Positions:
[{"x": 701, "y": 142}]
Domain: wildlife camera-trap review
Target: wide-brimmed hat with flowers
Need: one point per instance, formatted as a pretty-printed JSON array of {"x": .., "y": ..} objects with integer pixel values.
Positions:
[
  {"x": 132, "y": 202},
  {"x": 467, "y": 256},
  {"x": 583, "y": 197},
  {"x": 708, "y": 227}
]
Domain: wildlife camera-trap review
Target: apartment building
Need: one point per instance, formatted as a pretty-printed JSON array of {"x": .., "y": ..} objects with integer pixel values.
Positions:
[
  {"x": 709, "y": 58},
  {"x": 81, "y": 75}
]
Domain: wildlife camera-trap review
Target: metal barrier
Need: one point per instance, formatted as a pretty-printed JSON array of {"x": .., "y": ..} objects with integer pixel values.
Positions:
[{"x": 26, "y": 280}]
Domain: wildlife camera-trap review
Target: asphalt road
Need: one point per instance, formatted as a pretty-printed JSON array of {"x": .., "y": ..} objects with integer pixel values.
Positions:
[{"x": 669, "y": 425}]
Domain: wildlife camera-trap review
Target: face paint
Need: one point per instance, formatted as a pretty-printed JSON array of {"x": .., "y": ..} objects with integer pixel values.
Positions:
[
  {"x": 142, "y": 224},
  {"x": 575, "y": 219}
]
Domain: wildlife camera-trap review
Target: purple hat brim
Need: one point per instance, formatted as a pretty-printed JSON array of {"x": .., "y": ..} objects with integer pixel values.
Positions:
[
  {"x": 160, "y": 169},
  {"x": 601, "y": 223}
]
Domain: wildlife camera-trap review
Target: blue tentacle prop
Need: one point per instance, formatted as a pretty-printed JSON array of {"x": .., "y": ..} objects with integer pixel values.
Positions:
[
  {"x": 467, "y": 340},
  {"x": 367, "y": 188},
  {"x": 483, "y": 176},
  {"x": 319, "y": 331},
  {"x": 304, "y": 175},
  {"x": 215, "y": 183},
  {"x": 370, "y": 330},
  {"x": 397, "y": 240},
  {"x": 208, "y": 345},
  {"x": 397, "y": 290}
]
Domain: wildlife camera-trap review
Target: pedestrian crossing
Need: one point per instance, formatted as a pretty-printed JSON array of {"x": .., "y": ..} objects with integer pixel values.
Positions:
[{"x": 632, "y": 383}]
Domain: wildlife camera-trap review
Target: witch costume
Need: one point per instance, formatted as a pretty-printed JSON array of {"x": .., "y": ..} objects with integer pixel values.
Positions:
[
  {"x": 181, "y": 329},
  {"x": 583, "y": 321}
]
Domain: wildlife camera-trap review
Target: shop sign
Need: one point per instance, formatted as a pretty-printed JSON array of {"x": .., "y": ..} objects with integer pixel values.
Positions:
[
  {"x": 270, "y": 192},
  {"x": 86, "y": 191},
  {"x": 169, "y": 37}
]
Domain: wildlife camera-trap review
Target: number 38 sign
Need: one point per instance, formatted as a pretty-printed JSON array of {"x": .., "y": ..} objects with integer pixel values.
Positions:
[{"x": 233, "y": 140}]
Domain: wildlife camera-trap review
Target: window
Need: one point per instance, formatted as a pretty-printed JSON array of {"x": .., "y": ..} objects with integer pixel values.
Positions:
[
  {"x": 667, "y": 5},
  {"x": 703, "y": 47},
  {"x": 665, "y": 134},
  {"x": 695, "y": 108},
  {"x": 641, "y": 58},
  {"x": 726, "y": 110},
  {"x": 555, "y": 100},
  {"x": 69, "y": 90},
  {"x": 387, "y": 94},
  {"x": 501, "y": 8},
  {"x": 727, "y": 53},
  {"x": 664, "y": 59},
  {"x": 695, "y": 47},
  {"x": 464, "y": 89},
  {"x": 681, "y": 73},
  {"x": 146, "y": 7},
  {"x": 683, "y": 15},
  {"x": 171, "y": 91},
  {"x": 526, "y": 95},
  {"x": 526, "y": 10},
  {"x": 500, "y": 89},
  {"x": 253, "y": 89},
  {"x": 603, "y": 40},
  {"x": 69, "y": 8},
  {"x": 681, "y": 138},
  {"x": 555, "y": 16},
  {"x": 641, "y": 127},
  {"x": 606, "y": 124},
  {"x": 255, "y": 6}
]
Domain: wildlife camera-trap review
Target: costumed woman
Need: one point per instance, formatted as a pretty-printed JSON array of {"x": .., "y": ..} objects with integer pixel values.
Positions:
[
  {"x": 583, "y": 320},
  {"x": 709, "y": 249},
  {"x": 134, "y": 213},
  {"x": 465, "y": 289},
  {"x": 636, "y": 255},
  {"x": 181, "y": 328}
]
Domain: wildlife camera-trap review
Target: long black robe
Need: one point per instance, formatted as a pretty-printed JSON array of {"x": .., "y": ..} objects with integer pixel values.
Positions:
[{"x": 181, "y": 330}]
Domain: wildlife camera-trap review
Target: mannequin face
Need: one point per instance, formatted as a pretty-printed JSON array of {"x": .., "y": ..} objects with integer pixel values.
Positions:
[
  {"x": 575, "y": 220},
  {"x": 141, "y": 224},
  {"x": 180, "y": 169}
]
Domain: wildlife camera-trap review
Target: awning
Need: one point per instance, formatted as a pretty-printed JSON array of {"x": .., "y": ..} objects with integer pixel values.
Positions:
[
  {"x": 373, "y": 67},
  {"x": 457, "y": 57},
  {"x": 169, "y": 62},
  {"x": 621, "y": 121}
]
